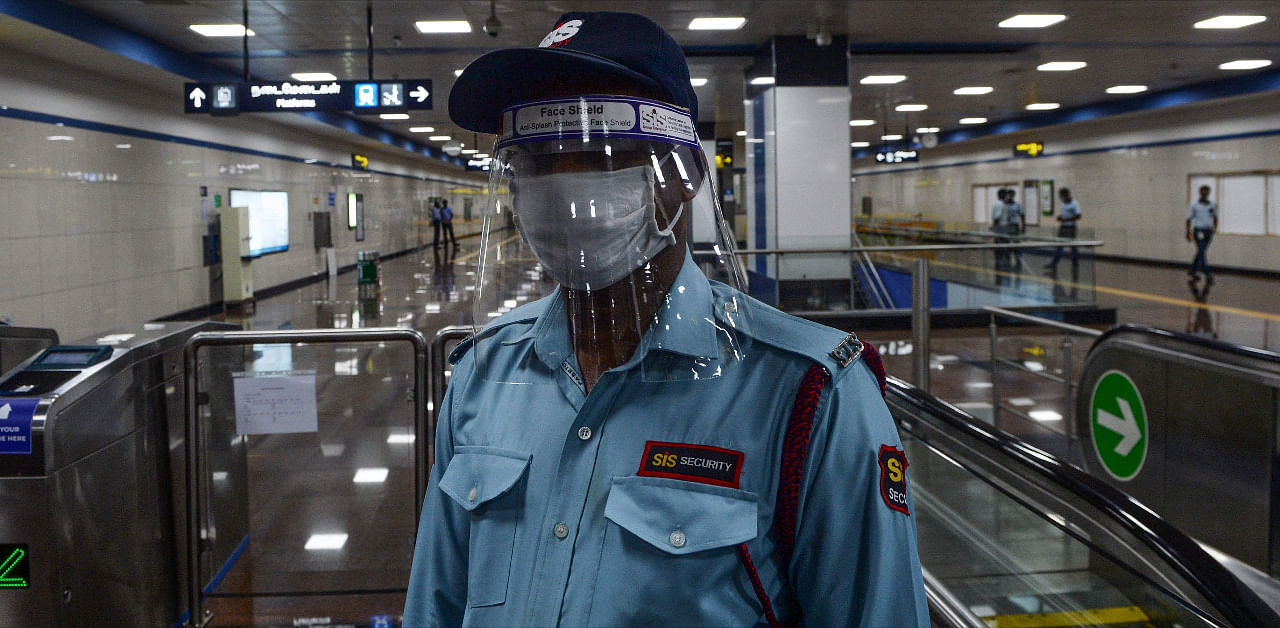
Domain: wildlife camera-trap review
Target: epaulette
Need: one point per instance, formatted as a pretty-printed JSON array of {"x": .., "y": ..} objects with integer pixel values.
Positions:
[
  {"x": 527, "y": 314},
  {"x": 834, "y": 349}
]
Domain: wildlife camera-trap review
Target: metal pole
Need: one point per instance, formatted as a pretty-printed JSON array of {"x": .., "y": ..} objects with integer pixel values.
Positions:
[
  {"x": 195, "y": 606},
  {"x": 920, "y": 322},
  {"x": 995, "y": 379},
  {"x": 368, "y": 15},
  {"x": 244, "y": 11},
  {"x": 1068, "y": 404}
]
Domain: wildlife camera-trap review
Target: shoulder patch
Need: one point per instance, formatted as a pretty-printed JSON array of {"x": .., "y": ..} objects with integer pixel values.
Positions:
[
  {"x": 893, "y": 478},
  {"x": 847, "y": 351}
]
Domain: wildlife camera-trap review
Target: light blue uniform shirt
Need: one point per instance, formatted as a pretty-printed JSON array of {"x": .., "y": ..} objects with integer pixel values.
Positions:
[
  {"x": 1201, "y": 214},
  {"x": 1070, "y": 213},
  {"x": 537, "y": 515}
]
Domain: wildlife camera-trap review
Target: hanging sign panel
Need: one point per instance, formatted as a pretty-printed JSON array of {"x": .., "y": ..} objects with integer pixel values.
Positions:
[{"x": 292, "y": 96}]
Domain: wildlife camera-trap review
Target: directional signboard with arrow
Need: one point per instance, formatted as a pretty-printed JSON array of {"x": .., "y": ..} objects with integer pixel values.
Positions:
[
  {"x": 293, "y": 96},
  {"x": 1118, "y": 422},
  {"x": 15, "y": 425}
]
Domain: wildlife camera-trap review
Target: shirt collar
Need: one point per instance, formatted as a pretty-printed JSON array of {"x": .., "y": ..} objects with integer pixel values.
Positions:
[{"x": 685, "y": 323}]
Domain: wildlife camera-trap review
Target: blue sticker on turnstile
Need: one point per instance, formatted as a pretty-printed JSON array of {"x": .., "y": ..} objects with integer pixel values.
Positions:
[
  {"x": 381, "y": 621},
  {"x": 15, "y": 425}
]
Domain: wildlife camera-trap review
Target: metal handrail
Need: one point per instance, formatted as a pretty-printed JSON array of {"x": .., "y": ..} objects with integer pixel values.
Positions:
[
  {"x": 198, "y": 616},
  {"x": 436, "y": 357},
  {"x": 1038, "y": 244},
  {"x": 1069, "y": 385}
]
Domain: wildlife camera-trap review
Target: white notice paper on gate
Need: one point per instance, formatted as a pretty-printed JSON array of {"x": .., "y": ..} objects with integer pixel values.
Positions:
[{"x": 275, "y": 402}]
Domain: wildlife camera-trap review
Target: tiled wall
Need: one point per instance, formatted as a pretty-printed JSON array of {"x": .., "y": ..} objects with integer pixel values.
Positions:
[
  {"x": 104, "y": 230},
  {"x": 1133, "y": 195}
]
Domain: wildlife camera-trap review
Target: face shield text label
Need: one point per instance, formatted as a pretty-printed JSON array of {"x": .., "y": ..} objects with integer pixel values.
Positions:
[
  {"x": 573, "y": 117},
  {"x": 603, "y": 116}
]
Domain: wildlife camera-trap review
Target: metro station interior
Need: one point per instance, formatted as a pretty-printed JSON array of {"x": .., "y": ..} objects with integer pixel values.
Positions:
[{"x": 226, "y": 300}]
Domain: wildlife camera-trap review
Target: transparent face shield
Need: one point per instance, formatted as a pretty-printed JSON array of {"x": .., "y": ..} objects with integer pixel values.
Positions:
[{"x": 603, "y": 247}]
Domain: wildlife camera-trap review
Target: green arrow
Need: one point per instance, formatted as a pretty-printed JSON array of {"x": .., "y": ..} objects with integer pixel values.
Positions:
[{"x": 8, "y": 565}]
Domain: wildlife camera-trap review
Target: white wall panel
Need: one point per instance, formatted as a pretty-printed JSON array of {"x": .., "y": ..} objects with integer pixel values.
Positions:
[{"x": 1242, "y": 205}]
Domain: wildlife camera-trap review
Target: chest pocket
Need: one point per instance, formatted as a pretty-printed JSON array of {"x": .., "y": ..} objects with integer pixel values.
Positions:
[
  {"x": 680, "y": 517},
  {"x": 486, "y": 481}
]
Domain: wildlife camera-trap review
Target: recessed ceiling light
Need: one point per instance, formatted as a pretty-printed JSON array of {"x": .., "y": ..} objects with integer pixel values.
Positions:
[
  {"x": 394, "y": 116},
  {"x": 482, "y": 155},
  {"x": 1042, "y": 106},
  {"x": 973, "y": 120},
  {"x": 370, "y": 475},
  {"x": 883, "y": 79},
  {"x": 928, "y": 129},
  {"x": 469, "y": 151},
  {"x": 859, "y": 144},
  {"x": 59, "y": 138},
  {"x": 440, "y": 138},
  {"x": 400, "y": 439},
  {"x": 973, "y": 91},
  {"x": 1061, "y": 66},
  {"x": 220, "y": 30},
  {"x": 891, "y": 138},
  {"x": 755, "y": 140},
  {"x": 697, "y": 82},
  {"x": 443, "y": 26},
  {"x": 717, "y": 23},
  {"x": 741, "y": 134},
  {"x": 1032, "y": 20},
  {"x": 1245, "y": 64},
  {"x": 762, "y": 80},
  {"x": 124, "y": 145},
  {"x": 861, "y": 122},
  {"x": 422, "y": 129},
  {"x": 326, "y": 541},
  {"x": 313, "y": 76},
  {"x": 911, "y": 107},
  {"x": 1126, "y": 89},
  {"x": 1231, "y": 21}
]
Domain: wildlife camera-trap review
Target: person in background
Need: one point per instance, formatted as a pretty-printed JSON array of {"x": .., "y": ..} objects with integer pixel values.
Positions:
[
  {"x": 1068, "y": 216},
  {"x": 1202, "y": 222},
  {"x": 1016, "y": 218},
  {"x": 446, "y": 222},
  {"x": 435, "y": 223}
]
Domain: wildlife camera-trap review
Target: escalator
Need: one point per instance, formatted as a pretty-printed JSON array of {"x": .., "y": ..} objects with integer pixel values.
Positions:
[{"x": 1013, "y": 537}]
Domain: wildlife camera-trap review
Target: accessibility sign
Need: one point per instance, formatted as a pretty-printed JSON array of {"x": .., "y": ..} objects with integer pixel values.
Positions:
[
  {"x": 1118, "y": 422},
  {"x": 15, "y": 425},
  {"x": 293, "y": 96}
]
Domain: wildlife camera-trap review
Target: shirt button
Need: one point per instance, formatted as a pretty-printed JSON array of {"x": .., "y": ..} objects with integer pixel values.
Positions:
[
  {"x": 677, "y": 539},
  {"x": 561, "y": 530},
  {"x": 472, "y": 495},
  {"x": 584, "y": 433}
]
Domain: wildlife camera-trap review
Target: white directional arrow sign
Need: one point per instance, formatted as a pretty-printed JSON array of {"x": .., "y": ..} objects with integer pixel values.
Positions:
[
  {"x": 419, "y": 93},
  {"x": 4, "y": 411},
  {"x": 1126, "y": 427},
  {"x": 197, "y": 96}
]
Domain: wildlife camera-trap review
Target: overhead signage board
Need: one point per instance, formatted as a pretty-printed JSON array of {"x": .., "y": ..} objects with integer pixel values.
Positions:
[
  {"x": 292, "y": 96},
  {"x": 897, "y": 156},
  {"x": 1028, "y": 149}
]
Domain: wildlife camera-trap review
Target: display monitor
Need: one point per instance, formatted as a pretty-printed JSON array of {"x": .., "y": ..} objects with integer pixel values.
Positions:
[{"x": 268, "y": 219}]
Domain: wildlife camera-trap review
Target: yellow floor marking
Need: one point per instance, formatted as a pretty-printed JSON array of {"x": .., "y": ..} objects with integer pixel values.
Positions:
[
  {"x": 1122, "y": 616},
  {"x": 1141, "y": 296},
  {"x": 472, "y": 254}
]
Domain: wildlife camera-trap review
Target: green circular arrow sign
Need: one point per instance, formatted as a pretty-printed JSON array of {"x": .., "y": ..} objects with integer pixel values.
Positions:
[{"x": 1118, "y": 421}]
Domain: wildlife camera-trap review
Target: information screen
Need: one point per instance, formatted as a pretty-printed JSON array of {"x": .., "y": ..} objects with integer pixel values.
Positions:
[
  {"x": 15, "y": 566},
  {"x": 268, "y": 219},
  {"x": 73, "y": 358}
]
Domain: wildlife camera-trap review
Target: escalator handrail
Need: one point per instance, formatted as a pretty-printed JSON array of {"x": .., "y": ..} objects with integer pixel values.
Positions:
[
  {"x": 1207, "y": 343},
  {"x": 1232, "y": 598}
]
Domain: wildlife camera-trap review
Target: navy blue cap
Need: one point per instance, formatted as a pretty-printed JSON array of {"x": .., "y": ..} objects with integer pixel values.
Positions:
[{"x": 622, "y": 46}]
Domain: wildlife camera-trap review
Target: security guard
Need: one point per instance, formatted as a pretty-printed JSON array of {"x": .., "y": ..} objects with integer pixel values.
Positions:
[{"x": 645, "y": 445}]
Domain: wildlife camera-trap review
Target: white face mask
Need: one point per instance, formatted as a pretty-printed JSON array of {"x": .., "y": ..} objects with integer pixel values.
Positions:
[{"x": 590, "y": 230}]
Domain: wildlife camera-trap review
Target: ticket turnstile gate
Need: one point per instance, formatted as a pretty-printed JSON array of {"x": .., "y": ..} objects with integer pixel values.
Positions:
[{"x": 91, "y": 482}]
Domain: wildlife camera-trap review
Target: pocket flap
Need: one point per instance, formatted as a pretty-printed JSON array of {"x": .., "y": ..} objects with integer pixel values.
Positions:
[
  {"x": 681, "y": 517},
  {"x": 479, "y": 474}
]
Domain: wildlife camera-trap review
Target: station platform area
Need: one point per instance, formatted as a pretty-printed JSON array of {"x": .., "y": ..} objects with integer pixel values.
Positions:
[{"x": 1017, "y": 524}]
